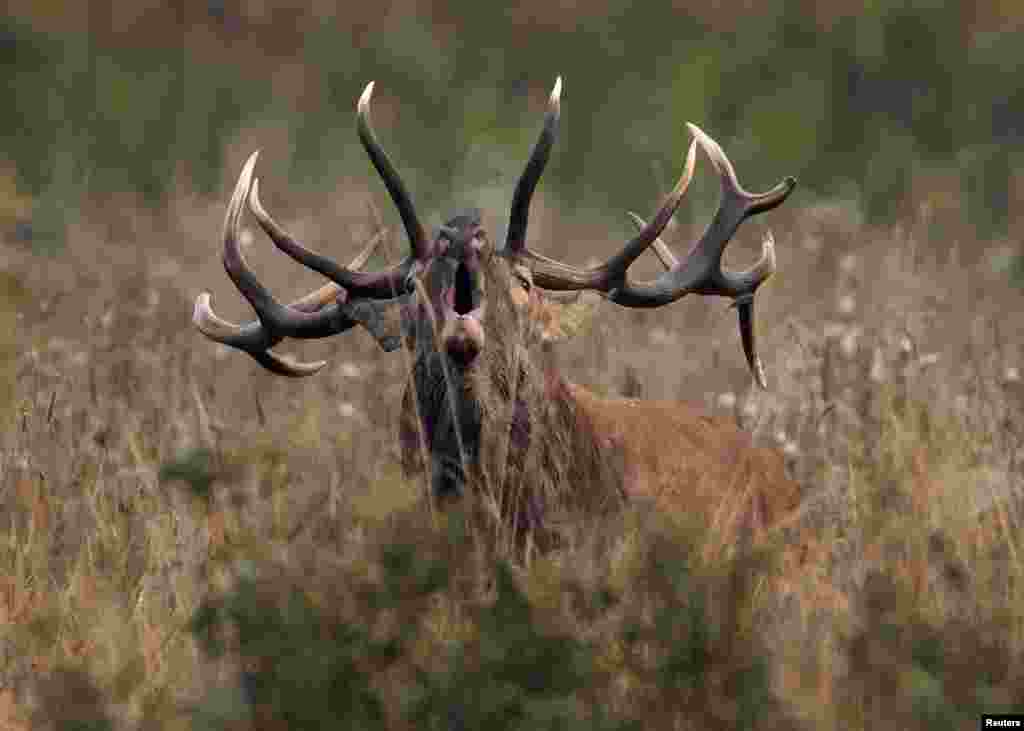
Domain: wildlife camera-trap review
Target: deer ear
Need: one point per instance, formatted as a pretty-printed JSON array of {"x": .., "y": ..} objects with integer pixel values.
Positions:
[
  {"x": 563, "y": 321},
  {"x": 379, "y": 318}
]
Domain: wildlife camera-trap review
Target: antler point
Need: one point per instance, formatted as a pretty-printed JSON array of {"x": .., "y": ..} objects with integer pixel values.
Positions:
[
  {"x": 556, "y": 92},
  {"x": 250, "y": 164},
  {"x": 364, "y": 98}
]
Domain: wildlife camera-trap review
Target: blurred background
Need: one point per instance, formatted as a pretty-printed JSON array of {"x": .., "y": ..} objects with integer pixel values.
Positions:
[
  {"x": 890, "y": 335},
  {"x": 897, "y": 106}
]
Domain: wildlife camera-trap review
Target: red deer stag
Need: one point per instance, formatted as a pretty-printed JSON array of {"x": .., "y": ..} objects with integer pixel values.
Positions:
[{"x": 482, "y": 403}]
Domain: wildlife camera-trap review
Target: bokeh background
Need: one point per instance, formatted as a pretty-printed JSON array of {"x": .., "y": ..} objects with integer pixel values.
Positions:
[
  {"x": 160, "y": 493},
  {"x": 894, "y": 106}
]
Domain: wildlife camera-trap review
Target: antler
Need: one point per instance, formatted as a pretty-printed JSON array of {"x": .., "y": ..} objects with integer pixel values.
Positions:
[
  {"x": 255, "y": 340},
  {"x": 549, "y": 273},
  {"x": 515, "y": 239},
  {"x": 370, "y": 285},
  {"x": 700, "y": 272},
  {"x": 328, "y": 310},
  {"x": 744, "y": 304}
]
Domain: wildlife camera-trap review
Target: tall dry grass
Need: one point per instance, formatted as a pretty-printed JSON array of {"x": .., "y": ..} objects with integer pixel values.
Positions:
[{"x": 168, "y": 507}]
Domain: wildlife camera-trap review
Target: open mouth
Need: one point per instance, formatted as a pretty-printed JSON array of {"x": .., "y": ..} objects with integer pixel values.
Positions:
[
  {"x": 462, "y": 335},
  {"x": 464, "y": 286}
]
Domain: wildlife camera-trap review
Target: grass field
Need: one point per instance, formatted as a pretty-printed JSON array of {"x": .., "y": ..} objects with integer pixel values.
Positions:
[{"x": 183, "y": 533}]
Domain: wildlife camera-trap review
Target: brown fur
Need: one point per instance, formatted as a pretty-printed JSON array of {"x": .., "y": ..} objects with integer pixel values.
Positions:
[
  {"x": 691, "y": 463},
  {"x": 549, "y": 446}
]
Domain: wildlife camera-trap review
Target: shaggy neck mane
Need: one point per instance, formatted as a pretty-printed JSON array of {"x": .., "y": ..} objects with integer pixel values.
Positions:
[
  {"x": 536, "y": 456},
  {"x": 539, "y": 454}
]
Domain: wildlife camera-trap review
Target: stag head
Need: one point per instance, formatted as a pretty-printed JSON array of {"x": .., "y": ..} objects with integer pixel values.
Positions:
[{"x": 452, "y": 289}]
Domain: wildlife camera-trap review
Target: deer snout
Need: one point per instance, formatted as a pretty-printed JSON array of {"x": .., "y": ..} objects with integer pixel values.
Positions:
[{"x": 463, "y": 339}]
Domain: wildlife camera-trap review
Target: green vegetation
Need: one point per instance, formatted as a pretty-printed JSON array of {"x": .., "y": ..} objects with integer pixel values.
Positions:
[
  {"x": 902, "y": 104},
  {"x": 188, "y": 542},
  {"x": 182, "y": 554}
]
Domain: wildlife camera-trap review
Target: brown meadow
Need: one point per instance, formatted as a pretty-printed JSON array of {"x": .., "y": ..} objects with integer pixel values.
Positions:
[{"x": 894, "y": 397}]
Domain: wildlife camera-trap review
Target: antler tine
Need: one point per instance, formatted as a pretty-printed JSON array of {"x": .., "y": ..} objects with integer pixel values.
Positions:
[
  {"x": 617, "y": 265},
  {"x": 251, "y": 338},
  {"x": 753, "y": 203},
  {"x": 322, "y": 312},
  {"x": 251, "y": 335},
  {"x": 701, "y": 270},
  {"x": 385, "y": 284},
  {"x": 276, "y": 318},
  {"x": 751, "y": 279},
  {"x": 519, "y": 215},
  {"x": 420, "y": 244},
  {"x": 744, "y": 304},
  {"x": 317, "y": 314},
  {"x": 552, "y": 274},
  {"x": 665, "y": 255},
  {"x": 610, "y": 276}
]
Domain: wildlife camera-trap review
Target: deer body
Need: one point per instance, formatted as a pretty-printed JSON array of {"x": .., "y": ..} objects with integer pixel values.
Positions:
[
  {"x": 689, "y": 462},
  {"x": 480, "y": 407}
]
